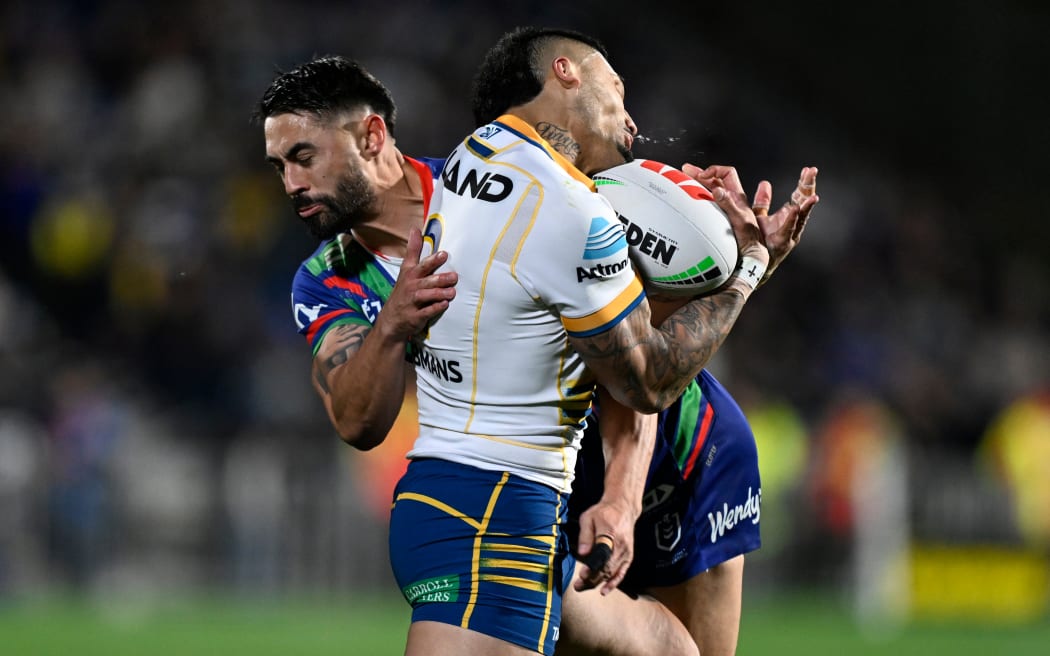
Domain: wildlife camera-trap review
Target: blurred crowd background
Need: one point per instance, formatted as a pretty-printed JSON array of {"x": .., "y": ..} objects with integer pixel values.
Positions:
[{"x": 158, "y": 432}]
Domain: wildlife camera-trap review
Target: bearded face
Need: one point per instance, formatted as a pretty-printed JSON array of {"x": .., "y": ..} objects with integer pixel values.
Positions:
[
  {"x": 322, "y": 169},
  {"x": 353, "y": 201}
]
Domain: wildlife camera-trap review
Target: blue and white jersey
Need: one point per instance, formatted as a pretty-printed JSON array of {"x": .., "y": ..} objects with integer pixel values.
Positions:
[{"x": 540, "y": 258}]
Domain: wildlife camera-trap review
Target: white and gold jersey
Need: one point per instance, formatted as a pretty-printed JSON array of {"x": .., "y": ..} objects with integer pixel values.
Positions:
[{"x": 540, "y": 257}]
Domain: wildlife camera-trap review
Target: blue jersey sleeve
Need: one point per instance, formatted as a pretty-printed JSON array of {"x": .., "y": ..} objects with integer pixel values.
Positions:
[{"x": 321, "y": 303}]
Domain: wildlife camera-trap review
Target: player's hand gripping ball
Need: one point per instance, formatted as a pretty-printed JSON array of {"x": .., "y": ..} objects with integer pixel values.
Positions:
[{"x": 680, "y": 240}]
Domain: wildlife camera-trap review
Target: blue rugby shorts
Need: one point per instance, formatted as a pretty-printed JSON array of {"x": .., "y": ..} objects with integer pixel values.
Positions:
[
  {"x": 483, "y": 550},
  {"x": 703, "y": 495}
]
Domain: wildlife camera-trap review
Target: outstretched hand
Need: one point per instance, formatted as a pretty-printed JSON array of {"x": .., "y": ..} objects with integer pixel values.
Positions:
[
  {"x": 780, "y": 232},
  {"x": 783, "y": 230},
  {"x": 421, "y": 294}
]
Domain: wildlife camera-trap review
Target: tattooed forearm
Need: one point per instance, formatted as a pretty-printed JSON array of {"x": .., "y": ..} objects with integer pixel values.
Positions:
[
  {"x": 696, "y": 331},
  {"x": 337, "y": 348},
  {"x": 653, "y": 366},
  {"x": 559, "y": 139}
]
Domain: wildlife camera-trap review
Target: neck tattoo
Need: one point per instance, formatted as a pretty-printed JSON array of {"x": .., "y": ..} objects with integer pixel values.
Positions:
[{"x": 559, "y": 139}]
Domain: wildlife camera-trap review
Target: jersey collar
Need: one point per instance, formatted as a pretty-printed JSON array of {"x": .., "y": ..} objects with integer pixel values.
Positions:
[
  {"x": 527, "y": 132},
  {"x": 426, "y": 178}
]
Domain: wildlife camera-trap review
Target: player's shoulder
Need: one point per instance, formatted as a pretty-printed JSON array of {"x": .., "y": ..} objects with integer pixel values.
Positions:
[
  {"x": 342, "y": 257},
  {"x": 328, "y": 256}
]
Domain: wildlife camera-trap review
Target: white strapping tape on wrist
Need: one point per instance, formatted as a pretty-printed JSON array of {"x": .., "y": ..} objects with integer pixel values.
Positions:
[{"x": 751, "y": 271}]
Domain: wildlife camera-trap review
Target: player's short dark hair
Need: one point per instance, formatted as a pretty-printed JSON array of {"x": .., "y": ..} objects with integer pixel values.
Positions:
[
  {"x": 326, "y": 87},
  {"x": 512, "y": 74}
]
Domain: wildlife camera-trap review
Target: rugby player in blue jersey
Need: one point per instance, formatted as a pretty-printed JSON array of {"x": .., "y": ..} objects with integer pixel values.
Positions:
[
  {"x": 356, "y": 191},
  {"x": 329, "y": 128},
  {"x": 702, "y": 505}
]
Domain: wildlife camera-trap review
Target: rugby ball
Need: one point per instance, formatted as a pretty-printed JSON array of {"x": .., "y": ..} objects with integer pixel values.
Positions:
[{"x": 680, "y": 240}]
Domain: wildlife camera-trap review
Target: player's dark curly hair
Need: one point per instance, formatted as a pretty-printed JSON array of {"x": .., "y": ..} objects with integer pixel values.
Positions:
[
  {"x": 512, "y": 73},
  {"x": 326, "y": 87}
]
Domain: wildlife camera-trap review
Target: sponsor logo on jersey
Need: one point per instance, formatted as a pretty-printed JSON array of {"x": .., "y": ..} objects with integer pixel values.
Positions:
[
  {"x": 656, "y": 246},
  {"x": 488, "y": 131},
  {"x": 729, "y": 516},
  {"x": 600, "y": 271},
  {"x": 604, "y": 239},
  {"x": 446, "y": 369},
  {"x": 490, "y": 187}
]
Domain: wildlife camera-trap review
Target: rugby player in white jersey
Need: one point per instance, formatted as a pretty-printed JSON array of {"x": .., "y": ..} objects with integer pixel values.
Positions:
[{"x": 507, "y": 372}]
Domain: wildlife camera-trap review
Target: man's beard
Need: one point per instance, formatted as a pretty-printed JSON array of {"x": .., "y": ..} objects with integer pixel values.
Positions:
[
  {"x": 625, "y": 152},
  {"x": 354, "y": 201}
]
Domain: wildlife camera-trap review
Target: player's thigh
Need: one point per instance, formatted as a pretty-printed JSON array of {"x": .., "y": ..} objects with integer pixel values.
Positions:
[
  {"x": 709, "y": 605},
  {"x": 617, "y": 624},
  {"x": 439, "y": 639}
]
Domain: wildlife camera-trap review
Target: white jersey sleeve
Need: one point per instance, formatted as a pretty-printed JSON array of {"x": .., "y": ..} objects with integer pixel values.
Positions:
[{"x": 578, "y": 265}]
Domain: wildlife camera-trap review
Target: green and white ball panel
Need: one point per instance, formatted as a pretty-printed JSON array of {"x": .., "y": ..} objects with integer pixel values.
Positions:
[{"x": 680, "y": 240}]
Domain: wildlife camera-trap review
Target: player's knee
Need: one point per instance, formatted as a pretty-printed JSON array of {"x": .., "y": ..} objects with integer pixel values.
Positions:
[
  {"x": 679, "y": 643},
  {"x": 680, "y": 647},
  {"x": 671, "y": 634}
]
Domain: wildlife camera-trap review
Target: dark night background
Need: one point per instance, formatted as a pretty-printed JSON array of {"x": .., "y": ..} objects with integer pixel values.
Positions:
[{"x": 147, "y": 347}]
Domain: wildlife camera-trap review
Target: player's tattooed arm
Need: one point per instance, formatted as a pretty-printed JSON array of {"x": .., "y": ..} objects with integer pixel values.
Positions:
[
  {"x": 361, "y": 408},
  {"x": 560, "y": 139},
  {"x": 647, "y": 368},
  {"x": 339, "y": 345},
  {"x": 361, "y": 371}
]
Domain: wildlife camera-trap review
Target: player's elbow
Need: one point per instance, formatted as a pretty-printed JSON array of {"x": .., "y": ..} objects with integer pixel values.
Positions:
[
  {"x": 361, "y": 440},
  {"x": 366, "y": 443},
  {"x": 649, "y": 404},
  {"x": 646, "y": 400},
  {"x": 356, "y": 433}
]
